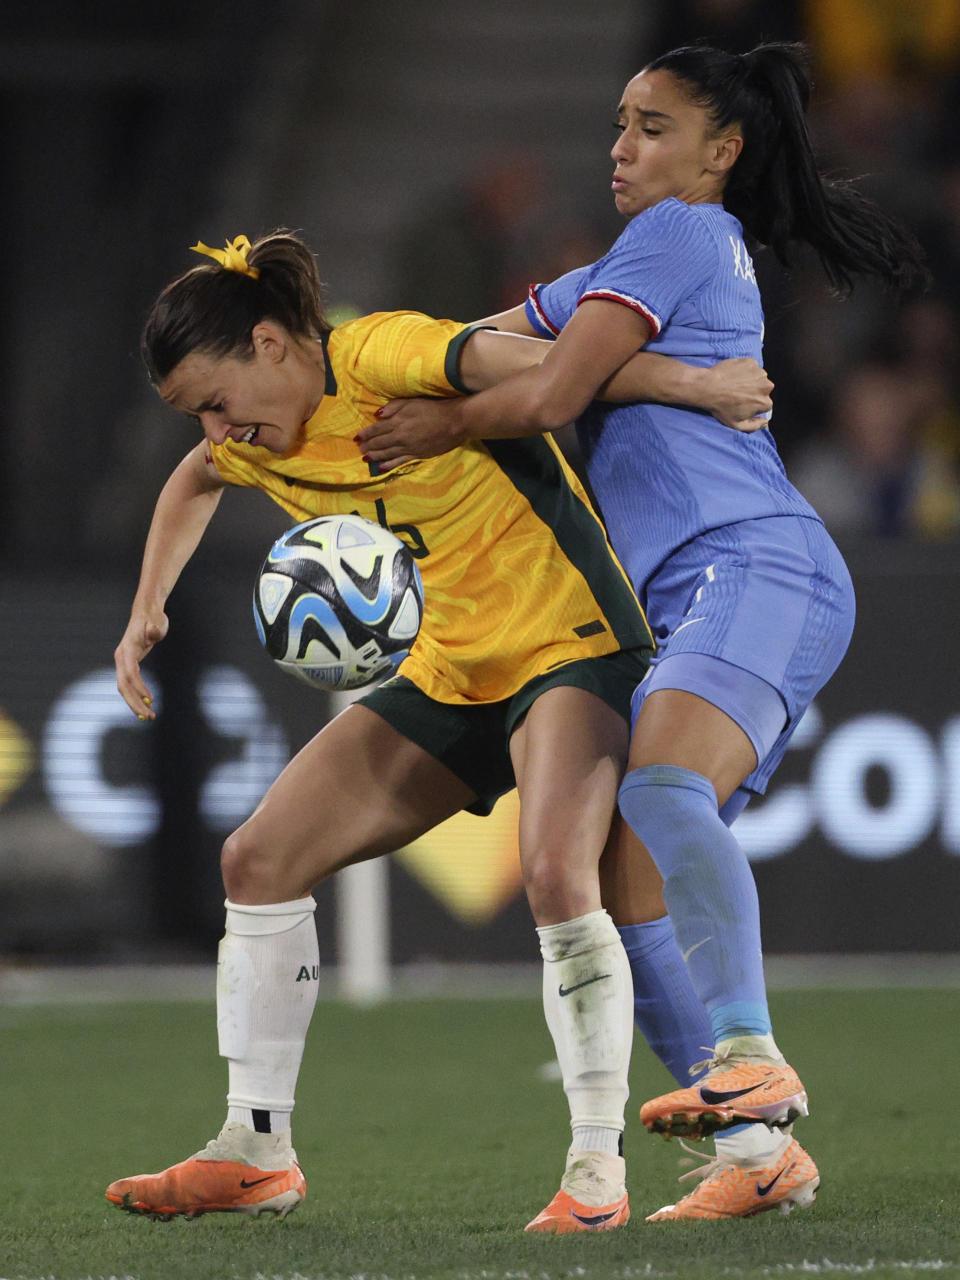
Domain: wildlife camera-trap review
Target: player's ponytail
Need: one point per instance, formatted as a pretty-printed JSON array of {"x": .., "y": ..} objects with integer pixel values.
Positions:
[
  {"x": 214, "y": 307},
  {"x": 775, "y": 187}
]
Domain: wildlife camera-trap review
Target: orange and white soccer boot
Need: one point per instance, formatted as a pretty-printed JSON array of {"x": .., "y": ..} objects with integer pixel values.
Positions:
[
  {"x": 592, "y": 1196},
  {"x": 739, "y": 1087},
  {"x": 239, "y": 1171},
  {"x": 732, "y": 1188}
]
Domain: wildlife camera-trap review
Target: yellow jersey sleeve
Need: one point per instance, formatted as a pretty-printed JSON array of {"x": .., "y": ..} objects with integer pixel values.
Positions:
[{"x": 404, "y": 353}]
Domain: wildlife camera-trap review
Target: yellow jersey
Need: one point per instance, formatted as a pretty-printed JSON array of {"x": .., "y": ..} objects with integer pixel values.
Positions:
[{"x": 517, "y": 572}]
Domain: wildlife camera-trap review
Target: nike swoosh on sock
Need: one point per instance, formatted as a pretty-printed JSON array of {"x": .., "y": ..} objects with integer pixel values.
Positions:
[
  {"x": 578, "y": 985},
  {"x": 689, "y": 952}
]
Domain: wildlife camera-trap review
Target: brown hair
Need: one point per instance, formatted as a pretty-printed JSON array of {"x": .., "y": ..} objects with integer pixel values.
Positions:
[{"x": 214, "y": 309}]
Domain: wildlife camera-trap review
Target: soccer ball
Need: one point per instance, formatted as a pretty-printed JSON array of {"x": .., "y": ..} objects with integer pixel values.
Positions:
[{"x": 338, "y": 602}]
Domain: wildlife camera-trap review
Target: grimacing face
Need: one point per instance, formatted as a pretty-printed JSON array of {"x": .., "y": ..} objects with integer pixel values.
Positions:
[
  {"x": 261, "y": 401},
  {"x": 667, "y": 147}
]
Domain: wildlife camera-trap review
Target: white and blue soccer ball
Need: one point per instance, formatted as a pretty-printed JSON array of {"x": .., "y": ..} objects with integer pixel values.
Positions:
[{"x": 338, "y": 602}]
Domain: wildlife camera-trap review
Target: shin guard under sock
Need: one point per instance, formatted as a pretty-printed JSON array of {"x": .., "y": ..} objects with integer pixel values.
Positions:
[
  {"x": 267, "y": 980},
  {"x": 588, "y": 1002},
  {"x": 708, "y": 889},
  {"x": 669, "y": 1013}
]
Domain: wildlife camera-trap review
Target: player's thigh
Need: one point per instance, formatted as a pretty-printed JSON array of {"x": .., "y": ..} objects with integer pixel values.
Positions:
[
  {"x": 682, "y": 729},
  {"x": 357, "y": 790},
  {"x": 568, "y": 755}
]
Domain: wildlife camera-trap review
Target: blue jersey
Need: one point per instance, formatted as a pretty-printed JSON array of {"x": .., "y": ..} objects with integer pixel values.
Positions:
[{"x": 663, "y": 475}]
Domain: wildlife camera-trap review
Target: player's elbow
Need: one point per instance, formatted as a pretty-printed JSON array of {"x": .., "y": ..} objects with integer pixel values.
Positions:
[
  {"x": 550, "y": 408},
  {"x": 553, "y": 417}
]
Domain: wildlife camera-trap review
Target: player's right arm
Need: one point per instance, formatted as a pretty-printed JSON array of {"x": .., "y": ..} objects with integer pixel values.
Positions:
[{"x": 183, "y": 511}]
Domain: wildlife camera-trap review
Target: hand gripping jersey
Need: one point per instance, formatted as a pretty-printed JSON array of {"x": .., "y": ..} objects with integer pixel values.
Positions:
[
  {"x": 517, "y": 572},
  {"x": 663, "y": 475}
]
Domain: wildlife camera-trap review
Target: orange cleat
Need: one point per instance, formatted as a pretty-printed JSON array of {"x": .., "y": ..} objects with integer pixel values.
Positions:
[
  {"x": 735, "y": 1091},
  {"x": 564, "y": 1214},
  {"x": 232, "y": 1174},
  {"x": 739, "y": 1189},
  {"x": 592, "y": 1177}
]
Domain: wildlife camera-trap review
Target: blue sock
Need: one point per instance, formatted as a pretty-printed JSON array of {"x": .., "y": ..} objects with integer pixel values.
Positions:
[
  {"x": 665, "y": 1006},
  {"x": 728, "y": 815},
  {"x": 708, "y": 889}
]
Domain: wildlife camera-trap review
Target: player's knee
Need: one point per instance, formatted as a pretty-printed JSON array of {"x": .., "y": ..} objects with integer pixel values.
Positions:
[
  {"x": 248, "y": 869},
  {"x": 557, "y": 889}
]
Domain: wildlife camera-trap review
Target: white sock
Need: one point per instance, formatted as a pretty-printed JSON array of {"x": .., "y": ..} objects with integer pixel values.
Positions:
[
  {"x": 753, "y": 1144},
  {"x": 267, "y": 980},
  {"x": 588, "y": 1137},
  {"x": 751, "y": 1046},
  {"x": 275, "y": 1121},
  {"x": 588, "y": 1002}
]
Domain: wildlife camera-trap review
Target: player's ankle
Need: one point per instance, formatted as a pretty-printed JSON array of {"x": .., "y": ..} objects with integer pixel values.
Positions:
[
  {"x": 595, "y": 1138},
  {"x": 752, "y": 1143},
  {"x": 750, "y": 1045},
  {"x": 260, "y": 1121}
]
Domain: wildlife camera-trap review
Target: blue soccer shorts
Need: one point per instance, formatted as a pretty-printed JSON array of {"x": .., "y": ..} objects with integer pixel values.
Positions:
[{"x": 755, "y": 618}]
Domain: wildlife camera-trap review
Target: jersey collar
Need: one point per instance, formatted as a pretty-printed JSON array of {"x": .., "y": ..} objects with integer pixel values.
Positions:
[{"x": 330, "y": 383}]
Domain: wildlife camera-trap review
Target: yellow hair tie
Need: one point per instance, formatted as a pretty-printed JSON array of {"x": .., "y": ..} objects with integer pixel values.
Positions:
[{"x": 233, "y": 257}]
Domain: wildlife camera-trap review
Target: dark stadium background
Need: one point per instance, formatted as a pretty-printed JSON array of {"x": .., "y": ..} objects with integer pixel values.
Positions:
[{"x": 437, "y": 156}]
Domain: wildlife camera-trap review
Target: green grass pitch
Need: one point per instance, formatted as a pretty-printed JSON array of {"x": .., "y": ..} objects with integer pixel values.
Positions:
[{"x": 429, "y": 1136}]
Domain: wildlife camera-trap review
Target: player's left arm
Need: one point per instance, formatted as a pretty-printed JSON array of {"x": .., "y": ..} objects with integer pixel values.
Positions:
[
  {"x": 599, "y": 338},
  {"x": 530, "y": 386},
  {"x": 490, "y": 356},
  {"x": 736, "y": 391},
  {"x": 553, "y": 390}
]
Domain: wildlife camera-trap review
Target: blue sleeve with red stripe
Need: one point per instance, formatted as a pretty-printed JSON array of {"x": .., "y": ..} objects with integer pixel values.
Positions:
[
  {"x": 550, "y": 306},
  {"x": 664, "y": 255}
]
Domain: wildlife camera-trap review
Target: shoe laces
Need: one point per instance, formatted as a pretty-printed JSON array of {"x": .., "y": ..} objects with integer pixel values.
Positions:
[
  {"x": 716, "y": 1164},
  {"x": 236, "y": 1143},
  {"x": 710, "y": 1166},
  {"x": 725, "y": 1060},
  {"x": 715, "y": 1062},
  {"x": 216, "y": 1149}
]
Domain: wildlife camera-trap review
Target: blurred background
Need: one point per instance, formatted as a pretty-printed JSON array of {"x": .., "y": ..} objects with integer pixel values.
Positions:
[{"x": 439, "y": 156}]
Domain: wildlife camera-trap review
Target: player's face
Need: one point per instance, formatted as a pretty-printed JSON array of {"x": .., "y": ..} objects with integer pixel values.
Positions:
[
  {"x": 262, "y": 401},
  {"x": 666, "y": 147}
]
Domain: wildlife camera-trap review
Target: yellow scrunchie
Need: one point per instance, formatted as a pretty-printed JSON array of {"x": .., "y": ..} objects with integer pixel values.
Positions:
[{"x": 233, "y": 257}]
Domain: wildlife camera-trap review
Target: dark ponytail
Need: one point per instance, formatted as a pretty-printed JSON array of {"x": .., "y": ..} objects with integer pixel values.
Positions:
[
  {"x": 214, "y": 309},
  {"x": 775, "y": 187}
]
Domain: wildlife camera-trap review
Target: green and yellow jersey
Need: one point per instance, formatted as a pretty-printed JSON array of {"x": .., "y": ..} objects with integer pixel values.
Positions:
[{"x": 517, "y": 572}]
